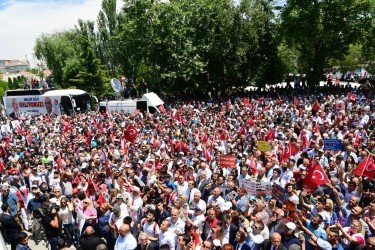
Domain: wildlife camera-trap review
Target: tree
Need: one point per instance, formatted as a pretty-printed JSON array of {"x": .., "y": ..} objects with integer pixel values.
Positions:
[
  {"x": 91, "y": 75},
  {"x": 323, "y": 29},
  {"x": 4, "y": 85},
  {"x": 56, "y": 49}
]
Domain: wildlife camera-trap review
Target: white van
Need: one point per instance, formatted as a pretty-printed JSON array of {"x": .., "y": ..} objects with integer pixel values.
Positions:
[{"x": 149, "y": 102}]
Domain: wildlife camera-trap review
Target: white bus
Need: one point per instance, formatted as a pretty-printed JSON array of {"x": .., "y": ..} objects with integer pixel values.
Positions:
[{"x": 38, "y": 101}]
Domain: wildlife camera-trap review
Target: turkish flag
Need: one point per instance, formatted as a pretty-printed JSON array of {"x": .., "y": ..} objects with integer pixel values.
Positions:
[
  {"x": 130, "y": 133},
  {"x": 253, "y": 166},
  {"x": 66, "y": 126},
  {"x": 288, "y": 151},
  {"x": 315, "y": 177},
  {"x": 366, "y": 168},
  {"x": 243, "y": 130},
  {"x": 204, "y": 138},
  {"x": 19, "y": 129},
  {"x": 207, "y": 154},
  {"x": 270, "y": 136},
  {"x": 59, "y": 162}
]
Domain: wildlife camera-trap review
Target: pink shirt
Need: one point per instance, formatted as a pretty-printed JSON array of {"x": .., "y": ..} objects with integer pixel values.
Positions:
[{"x": 89, "y": 212}]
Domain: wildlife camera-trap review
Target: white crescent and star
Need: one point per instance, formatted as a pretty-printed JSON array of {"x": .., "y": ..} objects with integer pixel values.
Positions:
[{"x": 320, "y": 173}]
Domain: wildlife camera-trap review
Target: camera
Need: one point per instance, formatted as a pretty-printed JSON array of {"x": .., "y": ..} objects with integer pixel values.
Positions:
[{"x": 54, "y": 206}]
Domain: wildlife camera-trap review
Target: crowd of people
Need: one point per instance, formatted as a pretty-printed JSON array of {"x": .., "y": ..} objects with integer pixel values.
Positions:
[{"x": 158, "y": 181}]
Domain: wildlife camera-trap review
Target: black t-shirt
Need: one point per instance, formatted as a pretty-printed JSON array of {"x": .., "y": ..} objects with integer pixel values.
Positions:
[{"x": 51, "y": 232}]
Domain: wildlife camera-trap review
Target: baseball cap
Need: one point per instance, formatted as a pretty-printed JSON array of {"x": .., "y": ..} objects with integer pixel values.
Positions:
[
  {"x": 199, "y": 207},
  {"x": 291, "y": 226}
]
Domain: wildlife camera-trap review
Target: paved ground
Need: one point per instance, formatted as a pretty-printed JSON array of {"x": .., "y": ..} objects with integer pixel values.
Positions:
[{"x": 41, "y": 245}]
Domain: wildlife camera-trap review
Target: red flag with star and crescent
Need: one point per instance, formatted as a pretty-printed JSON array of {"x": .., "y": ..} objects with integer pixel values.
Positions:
[
  {"x": 315, "y": 177},
  {"x": 366, "y": 168},
  {"x": 130, "y": 133}
]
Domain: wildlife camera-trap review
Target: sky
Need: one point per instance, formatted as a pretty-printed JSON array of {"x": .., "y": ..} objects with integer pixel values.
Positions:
[{"x": 22, "y": 21}]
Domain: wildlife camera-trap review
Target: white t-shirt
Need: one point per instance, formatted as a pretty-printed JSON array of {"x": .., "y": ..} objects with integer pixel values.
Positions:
[
  {"x": 151, "y": 229},
  {"x": 66, "y": 215}
]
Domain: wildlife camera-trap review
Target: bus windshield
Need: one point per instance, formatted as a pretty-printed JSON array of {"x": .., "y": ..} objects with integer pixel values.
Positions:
[{"x": 82, "y": 102}]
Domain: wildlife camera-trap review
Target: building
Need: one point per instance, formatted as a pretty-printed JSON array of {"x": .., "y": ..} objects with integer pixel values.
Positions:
[{"x": 13, "y": 66}]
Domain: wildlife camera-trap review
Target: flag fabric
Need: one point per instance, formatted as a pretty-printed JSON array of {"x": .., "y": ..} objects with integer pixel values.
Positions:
[
  {"x": 366, "y": 168},
  {"x": 305, "y": 140},
  {"x": 19, "y": 129},
  {"x": 243, "y": 130},
  {"x": 315, "y": 177},
  {"x": 289, "y": 151},
  {"x": 59, "y": 162},
  {"x": 66, "y": 126},
  {"x": 162, "y": 109},
  {"x": 270, "y": 135},
  {"x": 207, "y": 154},
  {"x": 130, "y": 133},
  {"x": 246, "y": 101},
  {"x": 253, "y": 166}
]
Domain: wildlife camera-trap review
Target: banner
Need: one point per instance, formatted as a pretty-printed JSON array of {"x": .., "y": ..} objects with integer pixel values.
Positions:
[
  {"x": 278, "y": 192},
  {"x": 332, "y": 144},
  {"x": 263, "y": 146},
  {"x": 228, "y": 161},
  {"x": 34, "y": 105}
]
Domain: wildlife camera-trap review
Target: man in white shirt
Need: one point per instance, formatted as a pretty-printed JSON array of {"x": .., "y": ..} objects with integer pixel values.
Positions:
[
  {"x": 191, "y": 191},
  {"x": 125, "y": 240},
  {"x": 177, "y": 226},
  {"x": 181, "y": 186},
  {"x": 134, "y": 203},
  {"x": 197, "y": 200},
  {"x": 116, "y": 218},
  {"x": 166, "y": 237},
  {"x": 215, "y": 199},
  {"x": 197, "y": 218}
]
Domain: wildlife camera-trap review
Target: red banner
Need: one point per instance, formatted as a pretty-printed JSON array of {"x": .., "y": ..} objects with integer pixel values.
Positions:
[{"x": 228, "y": 161}]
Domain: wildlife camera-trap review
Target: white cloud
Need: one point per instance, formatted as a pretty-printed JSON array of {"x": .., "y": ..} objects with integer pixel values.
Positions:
[{"x": 22, "y": 22}]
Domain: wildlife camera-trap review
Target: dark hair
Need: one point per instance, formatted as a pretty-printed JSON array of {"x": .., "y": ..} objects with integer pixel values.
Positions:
[
  {"x": 21, "y": 236},
  {"x": 128, "y": 220},
  {"x": 164, "y": 247},
  {"x": 186, "y": 238},
  {"x": 278, "y": 170},
  {"x": 321, "y": 200},
  {"x": 319, "y": 217},
  {"x": 61, "y": 243},
  {"x": 4, "y": 207},
  {"x": 81, "y": 195}
]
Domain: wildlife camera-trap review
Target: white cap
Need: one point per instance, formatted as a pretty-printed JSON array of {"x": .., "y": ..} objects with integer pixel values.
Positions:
[{"x": 291, "y": 226}]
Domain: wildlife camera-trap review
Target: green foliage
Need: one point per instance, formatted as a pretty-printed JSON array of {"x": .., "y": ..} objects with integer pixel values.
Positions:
[
  {"x": 322, "y": 30},
  {"x": 205, "y": 45},
  {"x": 3, "y": 87}
]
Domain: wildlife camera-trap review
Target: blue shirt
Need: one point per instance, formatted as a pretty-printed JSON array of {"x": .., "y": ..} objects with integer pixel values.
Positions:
[
  {"x": 319, "y": 233},
  {"x": 126, "y": 243},
  {"x": 12, "y": 201}
]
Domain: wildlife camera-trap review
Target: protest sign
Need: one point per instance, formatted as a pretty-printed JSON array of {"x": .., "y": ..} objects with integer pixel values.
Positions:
[
  {"x": 263, "y": 146},
  {"x": 256, "y": 188},
  {"x": 228, "y": 161},
  {"x": 278, "y": 192},
  {"x": 332, "y": 144}
]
